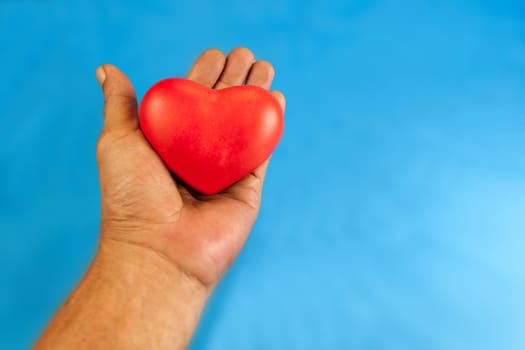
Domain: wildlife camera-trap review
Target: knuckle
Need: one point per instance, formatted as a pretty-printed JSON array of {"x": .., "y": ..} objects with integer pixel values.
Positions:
[
  {"x": 110, "y": 140},
  {"x": 102, "y": 145},
  {"x": 118, "y": 105},
  {"x": 252, "y": 192}
]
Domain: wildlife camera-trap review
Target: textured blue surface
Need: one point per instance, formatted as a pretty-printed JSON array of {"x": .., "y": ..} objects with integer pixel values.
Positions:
[{"x": 394, "y": 211}]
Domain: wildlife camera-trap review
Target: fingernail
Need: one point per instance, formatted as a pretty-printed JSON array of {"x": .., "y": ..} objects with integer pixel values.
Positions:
[{"x": 101, "y": 75}]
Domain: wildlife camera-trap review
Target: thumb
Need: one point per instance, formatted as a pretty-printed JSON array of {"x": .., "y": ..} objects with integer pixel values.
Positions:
[{"x": 120, "y": 101}]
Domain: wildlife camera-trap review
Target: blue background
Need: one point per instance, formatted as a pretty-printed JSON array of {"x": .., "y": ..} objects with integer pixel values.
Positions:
[{"x": 394, "y": 209}]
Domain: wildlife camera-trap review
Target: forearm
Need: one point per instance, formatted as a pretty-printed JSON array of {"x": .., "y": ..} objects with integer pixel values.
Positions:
[{"x": 130, "y": 298}]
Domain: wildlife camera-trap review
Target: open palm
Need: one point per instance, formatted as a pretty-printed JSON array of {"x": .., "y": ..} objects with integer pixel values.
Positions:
[{"x": 142, "y": 204}]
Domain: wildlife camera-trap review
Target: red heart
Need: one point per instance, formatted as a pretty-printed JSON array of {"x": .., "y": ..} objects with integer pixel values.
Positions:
[{"x": 210, "y": 138}]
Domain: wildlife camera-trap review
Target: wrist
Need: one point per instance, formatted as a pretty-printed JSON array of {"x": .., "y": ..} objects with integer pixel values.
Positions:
[
  {"x": 130, "y": 298},
  {"x": 128, "y": 262},
  {"x": 161, "y": 294}
]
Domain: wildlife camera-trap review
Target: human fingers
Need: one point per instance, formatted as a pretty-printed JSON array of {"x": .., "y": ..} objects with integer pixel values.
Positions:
[
  {"x": 261, "y": 74},
  {"x": 120, "y": 101},
  {"x": 236, "y": 69},
  {"x": 207, "y": 68}
]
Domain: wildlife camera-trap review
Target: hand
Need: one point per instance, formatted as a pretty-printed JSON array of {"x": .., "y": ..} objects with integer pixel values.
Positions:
[
  {"x": 162, "y": 248},
  {"x": 143, "y": 206}
]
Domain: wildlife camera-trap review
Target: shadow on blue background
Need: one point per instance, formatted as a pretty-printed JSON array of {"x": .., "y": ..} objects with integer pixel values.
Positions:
[{"x": 394, "y": 210}]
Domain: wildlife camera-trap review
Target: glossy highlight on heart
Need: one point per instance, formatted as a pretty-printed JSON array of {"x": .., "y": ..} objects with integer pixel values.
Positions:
[{"x": 210, "y": 138}]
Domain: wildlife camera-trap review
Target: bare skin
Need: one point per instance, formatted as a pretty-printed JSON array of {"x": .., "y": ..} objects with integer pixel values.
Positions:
[{"x": 162, "y": 249}]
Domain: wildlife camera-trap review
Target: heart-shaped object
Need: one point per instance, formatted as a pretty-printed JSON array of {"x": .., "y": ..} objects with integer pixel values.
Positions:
[{"x": 210, "y": 138}]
